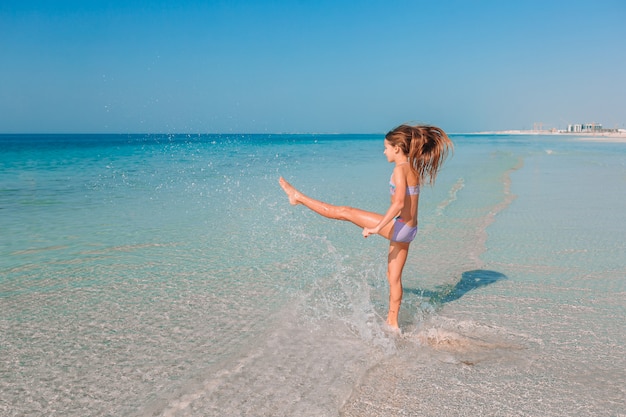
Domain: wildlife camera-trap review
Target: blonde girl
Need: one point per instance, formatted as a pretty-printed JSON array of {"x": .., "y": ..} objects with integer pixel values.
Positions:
[{"x": 417, "y": 153}]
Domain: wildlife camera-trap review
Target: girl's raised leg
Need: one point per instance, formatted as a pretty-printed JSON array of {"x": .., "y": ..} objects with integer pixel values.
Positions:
[
  {"x": 357, "y": 216},
  {"x": 398, "y": 251}
]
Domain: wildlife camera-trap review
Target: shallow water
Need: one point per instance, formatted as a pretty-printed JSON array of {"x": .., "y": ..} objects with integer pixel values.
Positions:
[{"x": 168, "y": 275}]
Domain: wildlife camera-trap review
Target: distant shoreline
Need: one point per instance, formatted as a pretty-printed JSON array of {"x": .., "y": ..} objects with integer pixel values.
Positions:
[
  {"x": 612, "y": 137},
  {"x": 617, "y": 137}
]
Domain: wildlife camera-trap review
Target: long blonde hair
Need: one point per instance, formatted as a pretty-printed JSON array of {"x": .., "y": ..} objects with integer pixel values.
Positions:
[{"x": 426, "y": 146}]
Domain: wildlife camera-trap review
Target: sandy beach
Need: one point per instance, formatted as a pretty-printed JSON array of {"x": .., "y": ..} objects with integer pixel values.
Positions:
[
  {"x": 613, "y": 137},
  {"x": 170, "y": 276}
]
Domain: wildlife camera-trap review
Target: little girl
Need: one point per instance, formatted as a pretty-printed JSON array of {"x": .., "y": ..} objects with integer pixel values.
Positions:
[{"x": 417, "y": 152}]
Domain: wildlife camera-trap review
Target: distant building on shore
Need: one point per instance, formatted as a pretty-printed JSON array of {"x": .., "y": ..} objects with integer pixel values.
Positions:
[
  {"x": 588, "y": 128},
  {"x": 584, "y": 128}
]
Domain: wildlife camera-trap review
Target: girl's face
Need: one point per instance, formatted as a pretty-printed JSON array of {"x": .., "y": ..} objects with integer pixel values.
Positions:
[{"x": 390, "y": 151}]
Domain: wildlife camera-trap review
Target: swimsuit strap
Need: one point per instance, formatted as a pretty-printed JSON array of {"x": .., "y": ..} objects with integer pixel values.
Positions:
[
  {"x": 413, "y": 189},
  {"x": 410, "y": 189}
]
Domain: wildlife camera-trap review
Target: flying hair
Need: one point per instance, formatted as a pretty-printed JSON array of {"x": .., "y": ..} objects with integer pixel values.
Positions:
[{"x": 426, "y": 147}]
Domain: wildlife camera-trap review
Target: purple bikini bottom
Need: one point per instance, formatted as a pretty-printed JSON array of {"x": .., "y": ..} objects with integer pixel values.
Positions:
[{"x": 402, "y": 232}]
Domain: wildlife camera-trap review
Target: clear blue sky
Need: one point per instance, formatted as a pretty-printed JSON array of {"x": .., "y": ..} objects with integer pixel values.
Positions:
[{"x": 309, "y": 66}]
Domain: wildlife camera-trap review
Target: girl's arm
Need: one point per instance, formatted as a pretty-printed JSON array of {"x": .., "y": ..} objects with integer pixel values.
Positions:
[{"x": 397, "y": 202}]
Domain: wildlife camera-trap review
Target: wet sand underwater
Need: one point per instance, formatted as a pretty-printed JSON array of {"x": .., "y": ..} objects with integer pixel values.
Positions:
[{"x": 121, "y": 294}]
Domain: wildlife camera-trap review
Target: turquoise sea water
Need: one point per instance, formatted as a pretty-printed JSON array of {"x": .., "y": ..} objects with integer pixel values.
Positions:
[{"x": 168, "y": 275}]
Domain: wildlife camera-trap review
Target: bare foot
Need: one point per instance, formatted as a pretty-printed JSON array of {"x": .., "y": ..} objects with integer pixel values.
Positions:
[
  {"x": 392, "y": 330},
  {"x": 392, "y": 325},
  {"x": 392, "y": 320},
  {"x": 291, "y": 192}
]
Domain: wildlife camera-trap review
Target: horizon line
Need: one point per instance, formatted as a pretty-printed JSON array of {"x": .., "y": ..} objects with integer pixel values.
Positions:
[{"x": 485, "y": 132}]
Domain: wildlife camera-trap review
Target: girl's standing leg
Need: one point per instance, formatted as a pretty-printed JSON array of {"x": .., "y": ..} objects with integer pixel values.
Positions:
[{"x": 398, "y": 252}]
